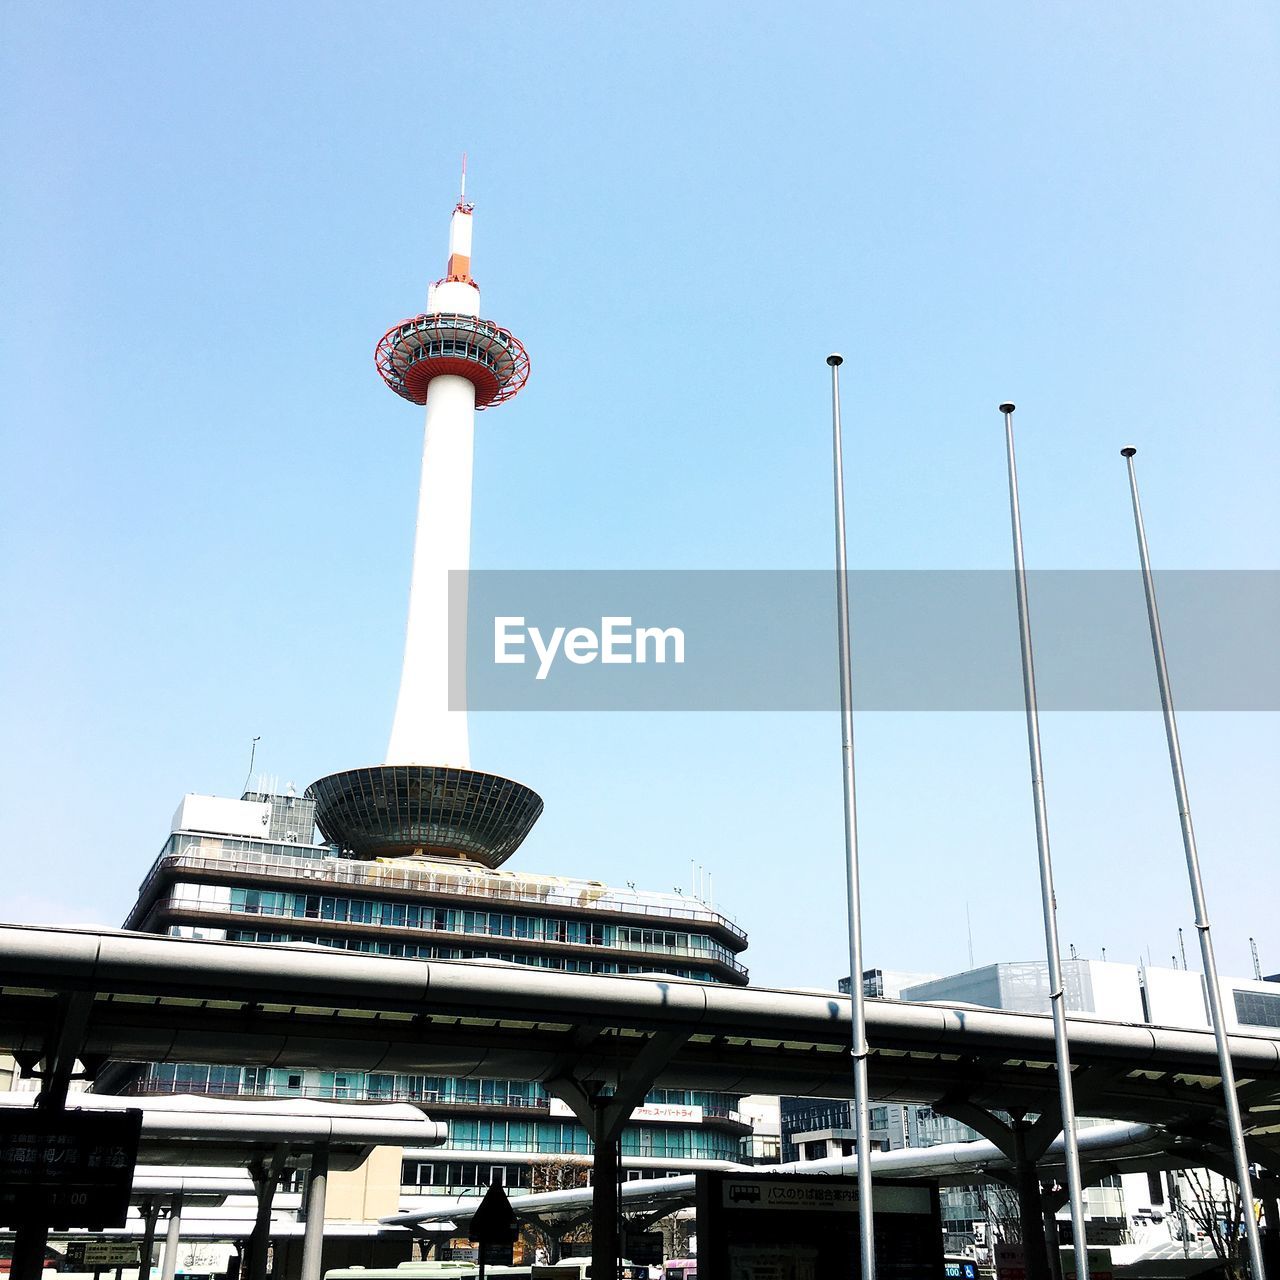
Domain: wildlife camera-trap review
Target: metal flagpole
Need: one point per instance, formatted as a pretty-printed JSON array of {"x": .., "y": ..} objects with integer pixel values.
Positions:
[
  {"x": 1214, "y": 992},
  {"x": 1057, "y": 996},
  {"x": 862, "y": 1125}
]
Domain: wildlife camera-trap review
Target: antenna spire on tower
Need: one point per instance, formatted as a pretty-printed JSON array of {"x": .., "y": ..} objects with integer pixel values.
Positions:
[{"x": 462, "y": 206}]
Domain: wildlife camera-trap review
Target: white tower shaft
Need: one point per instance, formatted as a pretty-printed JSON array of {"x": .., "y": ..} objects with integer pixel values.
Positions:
[{"x": 427, "y": 730}]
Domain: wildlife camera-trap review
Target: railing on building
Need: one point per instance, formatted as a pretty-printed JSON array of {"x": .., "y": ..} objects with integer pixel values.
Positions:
[
  {"x": 709, "y": 951},
  {"x": 539, "y": 1107},
  {"x": 489, "y": 887}
]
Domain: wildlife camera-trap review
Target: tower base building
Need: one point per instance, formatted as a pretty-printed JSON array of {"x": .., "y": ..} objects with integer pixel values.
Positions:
[{"x": 251, "y": 870}]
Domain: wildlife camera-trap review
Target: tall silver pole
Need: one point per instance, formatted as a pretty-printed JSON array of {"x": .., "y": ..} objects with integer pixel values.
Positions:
[
  {"x": 1057, "y": 996},
  {"x": 861, "y": 1119},
  {"x": 172, "y": 1238},
  {"x": 1214, "y": 991}
]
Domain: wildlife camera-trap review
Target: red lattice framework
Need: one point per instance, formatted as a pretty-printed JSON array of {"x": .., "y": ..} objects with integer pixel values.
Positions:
[{"x": 409, "y": 355}]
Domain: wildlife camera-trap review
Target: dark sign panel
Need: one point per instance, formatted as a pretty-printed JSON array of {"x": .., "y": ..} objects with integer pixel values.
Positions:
[
  {"x": 70, "y": 1168},
  {"x": 644, "y": 1248},
  {"x": 805, "y": 1227}
]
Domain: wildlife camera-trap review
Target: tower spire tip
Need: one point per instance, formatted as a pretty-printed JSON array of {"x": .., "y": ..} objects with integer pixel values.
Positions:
[{"x": 462, "y": 204}]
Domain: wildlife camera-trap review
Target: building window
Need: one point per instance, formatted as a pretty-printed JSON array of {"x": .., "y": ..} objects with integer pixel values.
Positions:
[{"x": 1257, "y": 1009}]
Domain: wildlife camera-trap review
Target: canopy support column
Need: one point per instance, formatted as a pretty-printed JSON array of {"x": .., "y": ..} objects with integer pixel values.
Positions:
[
  {"x": 266, "y": 1177},
  {"x": 313, "y": 1238},
  {"x": 169, "y": 1267},
  {"x": 604, "y": 1116}
]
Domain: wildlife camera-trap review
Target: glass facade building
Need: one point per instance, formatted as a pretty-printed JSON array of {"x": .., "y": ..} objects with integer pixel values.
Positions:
[{"x": 263, "y": 878}]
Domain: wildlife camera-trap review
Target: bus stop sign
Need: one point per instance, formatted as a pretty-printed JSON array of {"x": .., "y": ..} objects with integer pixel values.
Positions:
[{"x": 70, "y": 1168}]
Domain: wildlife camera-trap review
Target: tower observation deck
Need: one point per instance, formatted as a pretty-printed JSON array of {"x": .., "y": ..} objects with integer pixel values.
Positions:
[{"x": 426, "y": 799}]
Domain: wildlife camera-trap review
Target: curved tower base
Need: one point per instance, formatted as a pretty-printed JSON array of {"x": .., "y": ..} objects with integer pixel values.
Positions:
[{"x": 412, "y": 810}]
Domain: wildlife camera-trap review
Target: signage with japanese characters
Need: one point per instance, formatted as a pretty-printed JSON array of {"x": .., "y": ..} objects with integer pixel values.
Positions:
[
  {"x": 88, "y": 1255},
  {"x": 71, "y": 1168},
  {"x": 1011, "y": 1261},
  {"x": 661, "y": 1112},
  {"x": 805, "y": 1227}
]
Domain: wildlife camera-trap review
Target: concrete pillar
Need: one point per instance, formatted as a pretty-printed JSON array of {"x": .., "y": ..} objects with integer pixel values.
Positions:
[
  {"x": 169, "y": 1267},
  {"x": 1029, "y": 1211},
  {"x": 313, "y": 1239},
  {"x": 30, "y": 1239},
  {"x": 264, "y": 1182},
  {"x": 1271, "y": 1236},
  {"x": 1052, "y": 1242},
  {"x": 604, "y": 1211}
]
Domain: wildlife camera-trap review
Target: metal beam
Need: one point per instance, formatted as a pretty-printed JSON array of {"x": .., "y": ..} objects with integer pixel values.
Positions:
[{"x": 60, "y": 1061}]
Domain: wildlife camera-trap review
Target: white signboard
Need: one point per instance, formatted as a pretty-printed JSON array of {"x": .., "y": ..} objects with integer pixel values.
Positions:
[
  {"x": 220, "y": 816},
  {"x": 752, "y": 1193},
  {"x": 668, "y": 1112},
  {"x": 747, "y": 1193},
  {"x": 110, "y": 1253},
  {"x": 663, "y": 1112}
]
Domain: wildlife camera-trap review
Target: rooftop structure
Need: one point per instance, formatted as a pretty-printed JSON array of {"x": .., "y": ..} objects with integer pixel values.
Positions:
[
  {"x": 234, "y": 869},
  {"x": 425, "y": 799}
]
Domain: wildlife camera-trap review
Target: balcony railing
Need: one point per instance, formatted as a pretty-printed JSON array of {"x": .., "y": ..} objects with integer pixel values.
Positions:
[
  {"x": 335, "y": 1093},
  {"x": 488, "y": 887},
  {"x": 534, "y": 1107},
  {"x": 711, "y": 952}
]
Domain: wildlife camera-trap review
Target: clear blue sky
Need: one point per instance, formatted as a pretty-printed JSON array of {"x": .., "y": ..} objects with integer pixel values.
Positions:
[{"x": 211, "y": 214}]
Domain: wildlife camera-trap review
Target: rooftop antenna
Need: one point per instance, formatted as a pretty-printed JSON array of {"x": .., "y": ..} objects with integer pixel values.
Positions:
[
  {"x": 253, "y": 751},
  {"x": 1257, "y": 968},
  {"x": 1074, "y": 955},
  {"x": 969, "y": 923},
  {"x": 1175, "y": 961},
  {"x": 1226, "y": 1070},
  {"x": 1182, "y": 950},
  {"x": 462, "y": 186}
]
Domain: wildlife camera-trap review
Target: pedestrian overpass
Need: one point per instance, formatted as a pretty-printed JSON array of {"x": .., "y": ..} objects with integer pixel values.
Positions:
[{"x": 74, "y": 999}]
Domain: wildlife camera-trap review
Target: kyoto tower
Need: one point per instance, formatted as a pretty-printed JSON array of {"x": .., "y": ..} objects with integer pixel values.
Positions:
[{"x": 426, "y": 800}]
